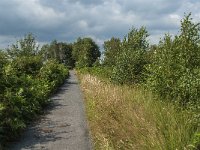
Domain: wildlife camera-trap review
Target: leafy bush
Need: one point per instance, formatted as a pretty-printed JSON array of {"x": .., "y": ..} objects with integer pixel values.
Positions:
[
  {"x": 3, "y": 62},
  {"x": 85, "y": 52},
  {"x": 25, "y": 95},
  {"x": 100, "y": 71},
  {"x": 27, "y": 64},
  {"x": 111, "y": 51},
  {"x": 130, "y": 62},
  {"x": 175, "y": 71},
  {"x": 53, "y": 72},
  {"x": 25, "y": 86}
]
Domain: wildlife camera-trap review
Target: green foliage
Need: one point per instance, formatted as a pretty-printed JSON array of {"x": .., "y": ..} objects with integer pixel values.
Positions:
[
  {"x": 111, "y": 51},
  {"x": 3, "y": 62},
  {"x": 3, "y": 59},
  {"x": 85, "y": 52},
  {"x": 53, "y": 72},
  {"x": 175, "y": 71},
  {"x": 27, "y": 64},
  {"x": 131, "y": 60},
  {"x": 196, "y": 140},
  {"x": 25, "y": 86},
  {"x": 62, "y": 52},
  {"x": 171, "y": 69},
  {"x": 100, "y": 71},
  {"x": 24, "y": 47}
]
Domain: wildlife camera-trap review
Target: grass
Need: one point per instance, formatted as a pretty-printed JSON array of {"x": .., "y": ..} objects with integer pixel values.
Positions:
[{"x": 123, "y": 117}]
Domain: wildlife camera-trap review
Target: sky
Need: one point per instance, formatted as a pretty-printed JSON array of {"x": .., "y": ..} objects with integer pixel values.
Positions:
[{"x": 66, "y": 20}]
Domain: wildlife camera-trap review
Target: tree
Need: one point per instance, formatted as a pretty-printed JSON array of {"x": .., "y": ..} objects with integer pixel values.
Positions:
[
  {"x": 67, "y": 58},
  {"x": 111, "y": 51},
  {"x": 26, "y": 46},
  {"x": 131, "y": 60},
  {"x": 85, "y": 52},
  {"x": 175, "y": 71},
  {"x": 3, "y": 62},
  {"x": 60, "y": 51},
  {"x": 25, "y": 55}
]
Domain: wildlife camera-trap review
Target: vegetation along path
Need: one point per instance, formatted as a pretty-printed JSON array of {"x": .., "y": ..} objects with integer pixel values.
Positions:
[{"x": 63, "y": 127}]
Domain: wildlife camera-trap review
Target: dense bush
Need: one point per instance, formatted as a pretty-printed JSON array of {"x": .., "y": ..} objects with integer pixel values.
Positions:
[
  {"x": 25, "y": 86},
  {"x": 100, "y": 71},
  {"x": 131, "y": 60},
  {"x": 111, "y": 51},
  {"x": 53, "y": 72},
  {"x": 85, "y": 52},
  {"x": 24, "y": 96},
  {"x": 175, "y": 70},
  {"x": 27, "y": 64}
]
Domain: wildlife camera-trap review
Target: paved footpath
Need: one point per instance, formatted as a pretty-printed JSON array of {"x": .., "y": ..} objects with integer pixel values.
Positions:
[{"x": 63, "y": 127}]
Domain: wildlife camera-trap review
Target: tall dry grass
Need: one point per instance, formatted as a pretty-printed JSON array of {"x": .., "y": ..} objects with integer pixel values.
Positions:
[{"x": 122, "y": 117}]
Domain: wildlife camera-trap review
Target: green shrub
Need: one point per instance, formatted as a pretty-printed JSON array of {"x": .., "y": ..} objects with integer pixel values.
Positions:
[
  {"x": 100, "y": 71},
  {"x": 85, "y": 52},
  {"x": 131, "y": 60},
  {"x": 27, "y": 64},
  {"x": 53, "y": 72},
  {"x": 26, "y": 84},
  {"x": 175, "y": 71},
  {"x": 111, "y": 51}
]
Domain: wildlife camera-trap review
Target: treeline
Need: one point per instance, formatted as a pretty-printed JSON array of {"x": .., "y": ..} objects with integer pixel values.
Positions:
[{"x": 84, "y": 52}]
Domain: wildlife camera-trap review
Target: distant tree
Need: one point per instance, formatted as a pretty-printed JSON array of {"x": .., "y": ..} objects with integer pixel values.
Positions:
[
  {"x": 66, "y": 54},
  {"x": 111, "y": 51},
  {"x": 52, "y": 51},
  {"x": 60, "y": 51},
  {"x": 85, "y": 52},
  {"x": 44, "y": 52}
]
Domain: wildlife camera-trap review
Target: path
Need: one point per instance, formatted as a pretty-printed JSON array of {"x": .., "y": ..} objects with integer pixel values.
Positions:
[{"x": 63, "y": 127}]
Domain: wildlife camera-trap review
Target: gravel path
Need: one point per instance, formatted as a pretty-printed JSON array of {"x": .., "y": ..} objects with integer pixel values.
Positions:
[{"x": 63, "y": 127}]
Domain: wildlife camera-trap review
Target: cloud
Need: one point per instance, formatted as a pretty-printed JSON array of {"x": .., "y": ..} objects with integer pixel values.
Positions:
[{"x": 65, "y": 20}]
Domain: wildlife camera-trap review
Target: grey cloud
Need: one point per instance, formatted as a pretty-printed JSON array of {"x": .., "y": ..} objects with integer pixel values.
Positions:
[
  {"x": 88, "y": 2},
  {"x": 153, "y": 6},
  {"x": 101, "y": 19}
]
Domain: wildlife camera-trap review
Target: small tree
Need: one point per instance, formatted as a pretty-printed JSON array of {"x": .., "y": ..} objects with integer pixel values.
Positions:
[
  {"x": 175, "y": 71},
  {"x": 60, "y": 51},
  {"x": 111, "y": 51},
  {"x": 26, "y": 46},
  {"x": 25, "y": 55},
  {"x": 131, "y": 60}
]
